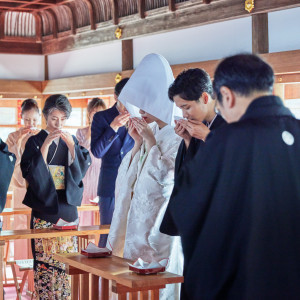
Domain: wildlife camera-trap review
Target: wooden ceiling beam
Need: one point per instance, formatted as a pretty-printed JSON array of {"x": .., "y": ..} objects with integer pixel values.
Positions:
[
  {"x": 87, "y": 83},
  {"x": 172, "y": 5},
  {"x": 286, "y": 62},
  {"x": 13, "y": 1},
  {"x": 92, "y": 14},
  {"x": 13, "y": 47},
  {"x": 287, "y": 78},
  {"x": 195, "y": 14},
  {"x": 54, "y": 22},
  {"x": 20, "y": 87},
  {"x": 38, "y": 26},
  {"x": 141, "y": 8},
  {"x": 28, "y": 3},
  {"x": 115, "y": 11},
  {"x": 17, "y": 9},
  {"x": 9, "y": 5},
  {"x": 58, "y": 3},
  {"x": 71, "y": 17}
]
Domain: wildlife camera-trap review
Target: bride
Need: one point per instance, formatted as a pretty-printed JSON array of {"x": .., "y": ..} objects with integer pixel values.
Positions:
[{"x": 146, "y": 176}]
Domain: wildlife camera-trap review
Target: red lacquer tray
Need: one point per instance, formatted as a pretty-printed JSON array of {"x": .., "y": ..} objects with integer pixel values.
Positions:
[
  {"x": 147, "y": 271},
  {"x": 94, "y": 255},
  {"x": 65, "y": 227}
]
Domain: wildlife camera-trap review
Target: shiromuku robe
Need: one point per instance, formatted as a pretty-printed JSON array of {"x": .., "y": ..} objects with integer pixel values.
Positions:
[{"x": 143, "y": 189}]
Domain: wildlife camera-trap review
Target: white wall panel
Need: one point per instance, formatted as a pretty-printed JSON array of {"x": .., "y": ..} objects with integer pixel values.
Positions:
[
  {"x": 21, "y": 67},
  {"x": 284, "y": 30},
  {"x": 201, "y": 43},
  {"x": 88, "y": 61}
]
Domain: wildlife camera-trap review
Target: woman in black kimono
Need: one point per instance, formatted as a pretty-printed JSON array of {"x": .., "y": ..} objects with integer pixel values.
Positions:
[
  {"x": 53, "y": 165},
  {"x": 7, "y": 163}
]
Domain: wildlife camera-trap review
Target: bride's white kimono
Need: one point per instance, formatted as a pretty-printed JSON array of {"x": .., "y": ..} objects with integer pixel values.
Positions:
[{"x": 143, "y": 189}]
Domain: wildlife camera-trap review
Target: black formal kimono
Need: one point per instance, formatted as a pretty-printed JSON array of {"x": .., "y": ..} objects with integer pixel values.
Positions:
[
  {"x": 184, "y": 156},
  {"x": 54, "y": 191},
  {"x": 7, "y": 164},
  {"x": 240, "y": 227},
  {"x": 41, "y": 194}
]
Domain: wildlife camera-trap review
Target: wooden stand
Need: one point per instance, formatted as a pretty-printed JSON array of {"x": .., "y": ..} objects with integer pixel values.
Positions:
[
  {"x": 44, "y": 233},
  {"x": 115, "y": 269}
]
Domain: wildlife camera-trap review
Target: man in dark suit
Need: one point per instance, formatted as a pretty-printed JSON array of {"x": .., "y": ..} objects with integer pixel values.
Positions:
[
  {"x": 111, "y": 142},
  {"x": 7, "y": 163}
]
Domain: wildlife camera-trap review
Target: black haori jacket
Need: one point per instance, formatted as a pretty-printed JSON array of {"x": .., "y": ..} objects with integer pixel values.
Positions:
[
  {"x": 240, "y": 221},
  {"x": 41, "y": 194},
  {"x": 184, "y": 156}
]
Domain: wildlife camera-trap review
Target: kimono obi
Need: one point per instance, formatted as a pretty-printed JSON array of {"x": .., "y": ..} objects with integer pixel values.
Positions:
[
  {"x": 58, "y": 176},
  {"x": 57, "y": 161}
]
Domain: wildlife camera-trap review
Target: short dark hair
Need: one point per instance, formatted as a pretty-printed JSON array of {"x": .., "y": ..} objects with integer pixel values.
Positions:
[
  {"x": 190, "y": 85},
  {"x": 95, "y": 103},
  {"x": 29, "y": 104},
  {"x": 243, "y": 74},
  {"x": 59, "y": 102},
  {"x": 119, "y": 86}
]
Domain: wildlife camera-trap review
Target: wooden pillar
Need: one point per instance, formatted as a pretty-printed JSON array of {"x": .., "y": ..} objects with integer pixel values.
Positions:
[
  {"x": 144, "y": 295},
  {"x": 94, "y": 288},
  {"x": 127, "y": 55},
  {"x": 260, "y": 34},
  {"x": 75, "y": 287},
  {"x": 46, "y": 66},
  {"x": 84, "y": 286},
  {"x": 104, "y": 289}
]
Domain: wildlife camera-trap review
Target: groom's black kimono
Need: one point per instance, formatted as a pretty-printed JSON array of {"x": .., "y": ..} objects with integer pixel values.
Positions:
[{"x": 240, "y": 225}]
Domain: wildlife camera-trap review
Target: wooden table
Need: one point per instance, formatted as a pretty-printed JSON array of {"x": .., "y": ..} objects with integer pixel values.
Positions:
[
  {"x": 27, "y": 210},
  {"x": 7, "y": 235},
  {"x": 116, "y": 269},
  {"x": 7, "y": 212}
]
